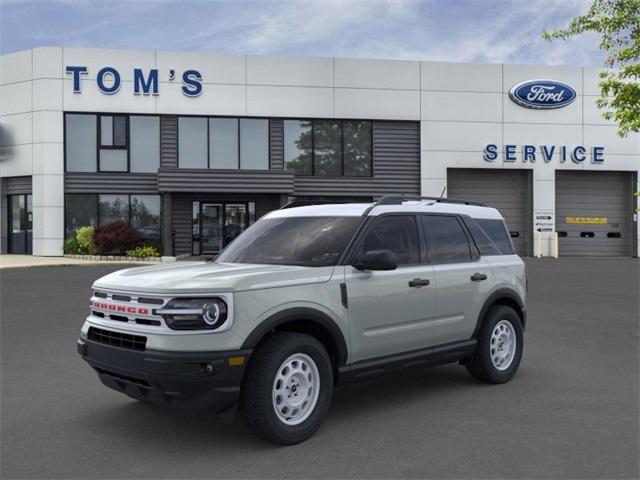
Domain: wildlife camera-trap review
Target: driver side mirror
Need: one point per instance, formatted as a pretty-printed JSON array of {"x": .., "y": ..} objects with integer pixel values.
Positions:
[{"x": 377, "y": 260}]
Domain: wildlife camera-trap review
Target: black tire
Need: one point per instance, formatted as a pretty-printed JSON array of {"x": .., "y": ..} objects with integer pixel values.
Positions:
[
  {"x": 256, "y": 403},
  {"x": 480, "y": 365}
]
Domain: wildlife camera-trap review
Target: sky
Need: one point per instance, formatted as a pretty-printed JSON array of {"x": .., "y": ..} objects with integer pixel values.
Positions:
[{"x": 487, "y": 31}]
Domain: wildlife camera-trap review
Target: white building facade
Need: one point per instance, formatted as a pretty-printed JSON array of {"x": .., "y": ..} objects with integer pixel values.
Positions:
[{"x": 191, "y": 148}]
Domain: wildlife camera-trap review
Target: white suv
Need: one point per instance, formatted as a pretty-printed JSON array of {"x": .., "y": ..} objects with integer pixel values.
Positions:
[{"x": 309, "y": 297}]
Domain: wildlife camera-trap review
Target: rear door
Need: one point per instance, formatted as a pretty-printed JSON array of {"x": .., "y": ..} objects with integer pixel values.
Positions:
[
  {"x": 462, "y": 278},
  {"x": 390, "y": 311}
]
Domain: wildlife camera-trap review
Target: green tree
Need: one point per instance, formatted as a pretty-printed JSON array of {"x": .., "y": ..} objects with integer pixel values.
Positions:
[{"x": 618, "y": 23}]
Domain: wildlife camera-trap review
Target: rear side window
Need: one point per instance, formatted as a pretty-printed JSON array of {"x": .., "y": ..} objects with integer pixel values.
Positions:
[
  {"x": 485, "y": 245},
  {"x": 446, "y": 240},
  {"x": 497, "y": 231},
  {"x": 398, "y": 233}
]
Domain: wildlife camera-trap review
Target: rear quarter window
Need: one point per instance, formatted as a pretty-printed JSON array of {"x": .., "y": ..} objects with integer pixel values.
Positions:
[{"x": 497, "y": 231}]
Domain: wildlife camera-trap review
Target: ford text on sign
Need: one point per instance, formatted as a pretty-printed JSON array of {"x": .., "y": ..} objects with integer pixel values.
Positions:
[{"x": 542, "y": 94}]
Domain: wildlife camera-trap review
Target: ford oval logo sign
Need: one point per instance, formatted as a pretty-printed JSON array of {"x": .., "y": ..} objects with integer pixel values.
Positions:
[{"x": 542, "y": 94}]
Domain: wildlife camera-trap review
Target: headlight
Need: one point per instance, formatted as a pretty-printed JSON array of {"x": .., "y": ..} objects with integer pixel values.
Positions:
[{"x": 194, "y": 313}]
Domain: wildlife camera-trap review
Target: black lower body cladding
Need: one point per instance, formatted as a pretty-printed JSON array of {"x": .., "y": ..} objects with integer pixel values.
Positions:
[{"x": 201, "y": 381}]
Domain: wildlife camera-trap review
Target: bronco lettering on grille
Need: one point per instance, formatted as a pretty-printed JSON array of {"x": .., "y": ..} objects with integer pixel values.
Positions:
[{"x": 119, "y": 308}]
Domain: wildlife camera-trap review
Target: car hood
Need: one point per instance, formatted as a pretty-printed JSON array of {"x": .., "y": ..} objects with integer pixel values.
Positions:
[{"x": 208, "y": 277}]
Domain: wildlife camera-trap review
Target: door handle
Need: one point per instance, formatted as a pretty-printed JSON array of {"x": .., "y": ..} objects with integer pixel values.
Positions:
[
  {"x": 419, "y": 282},
  {"x": 477, "y": 277}
]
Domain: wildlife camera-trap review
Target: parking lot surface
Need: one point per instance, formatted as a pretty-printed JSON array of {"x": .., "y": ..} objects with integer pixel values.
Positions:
[{"x": 572, "y": 411}]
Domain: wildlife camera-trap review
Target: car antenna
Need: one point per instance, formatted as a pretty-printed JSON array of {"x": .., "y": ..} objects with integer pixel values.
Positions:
[{"x": 442, "y": 194}]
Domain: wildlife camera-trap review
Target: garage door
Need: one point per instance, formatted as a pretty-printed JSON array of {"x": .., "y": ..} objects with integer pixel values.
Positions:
[
  {"x": 593, "y": 213},
  {"x": 506, "y": 190}
]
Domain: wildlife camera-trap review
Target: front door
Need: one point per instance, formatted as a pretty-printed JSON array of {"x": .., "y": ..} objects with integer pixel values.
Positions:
[
  {"x": 390, "y": 311},
  {"x": 211, "y": 228},
  {"x": 20, "y": 221}
]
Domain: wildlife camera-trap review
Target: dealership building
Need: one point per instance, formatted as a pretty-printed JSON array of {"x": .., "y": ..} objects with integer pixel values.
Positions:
[{"x": 191, "y": 148}]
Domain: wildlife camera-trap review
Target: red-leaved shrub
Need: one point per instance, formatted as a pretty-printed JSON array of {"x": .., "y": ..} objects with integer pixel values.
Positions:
[{"x": 116, "y": 238}]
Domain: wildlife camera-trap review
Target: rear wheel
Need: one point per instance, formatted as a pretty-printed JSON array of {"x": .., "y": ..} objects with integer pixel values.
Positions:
[
  {"x": 287, "y": 387},
  {"x": 500, "y": 345}
]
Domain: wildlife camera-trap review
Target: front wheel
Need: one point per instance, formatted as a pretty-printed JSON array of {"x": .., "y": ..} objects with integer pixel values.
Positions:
[
  {"x": 500, "y": 345},
  {"x": 287, "y": 387}
]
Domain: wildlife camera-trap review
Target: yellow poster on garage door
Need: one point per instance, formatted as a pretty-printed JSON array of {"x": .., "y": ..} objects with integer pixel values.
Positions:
[{"x": 587, "y": 220}]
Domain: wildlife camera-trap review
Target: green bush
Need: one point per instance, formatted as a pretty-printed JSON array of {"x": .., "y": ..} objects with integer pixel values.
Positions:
[
  {"x": 145, "y": 251},
  {"x": 84, "y": 237},
  {"x": 154, "y": 244},
  {"x": 70, "y": 245}
]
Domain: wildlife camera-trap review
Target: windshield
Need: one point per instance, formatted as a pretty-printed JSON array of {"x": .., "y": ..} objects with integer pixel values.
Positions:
[{"x": 305, "y": 241}]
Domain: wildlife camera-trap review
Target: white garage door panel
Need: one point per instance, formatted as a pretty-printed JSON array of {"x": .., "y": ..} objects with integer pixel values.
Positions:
[
  {"x": 506, "y": 190},
  {"x": 594, "y": 194}
]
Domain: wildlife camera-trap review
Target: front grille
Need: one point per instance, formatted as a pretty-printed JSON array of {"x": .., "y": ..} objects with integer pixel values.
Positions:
[
  {"x": 121, "y": 298},
  {"x": 151, "y": 301},
  {"x": 117, "y": 339}
]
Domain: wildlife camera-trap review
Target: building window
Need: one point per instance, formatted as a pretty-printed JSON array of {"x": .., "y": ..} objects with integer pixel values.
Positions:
[
  {"x": 145, "y": 143},
  {"x": 223, "y": 143},
  {"x": 113, "y": 131},
  {"x": 254, "y": 144},
  {"x": 329, "y": 147},
  {"x": 112, "y": 208},
  {"x": 80, "y": 211},
  {"x": 357, "y": 148},
  {"x": 112, "y": 143},
  {"x": 142, "y": 212},
  {"x": 145, "y": 216},
  {"x": 297, "y": 146},
  {"x": 80, "y": 142},
  {"x": 192, "y": 142}
]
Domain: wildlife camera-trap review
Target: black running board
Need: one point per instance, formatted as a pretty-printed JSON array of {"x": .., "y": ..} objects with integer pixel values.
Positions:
[{"x": 428, "y": 357}]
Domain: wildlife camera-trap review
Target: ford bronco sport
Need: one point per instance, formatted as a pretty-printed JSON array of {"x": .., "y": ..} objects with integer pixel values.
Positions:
[{"x": 308, "y": 298}]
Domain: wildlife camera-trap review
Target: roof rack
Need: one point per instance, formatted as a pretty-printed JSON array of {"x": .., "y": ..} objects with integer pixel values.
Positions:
[
  {"x": 309, "y": 202},
  {"x": 400, "y": 199}
]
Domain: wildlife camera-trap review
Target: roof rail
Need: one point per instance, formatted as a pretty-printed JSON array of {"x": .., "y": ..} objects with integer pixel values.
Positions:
[
  {"x": 311, "y": 201},
  {"x": 400, "y": 199}
]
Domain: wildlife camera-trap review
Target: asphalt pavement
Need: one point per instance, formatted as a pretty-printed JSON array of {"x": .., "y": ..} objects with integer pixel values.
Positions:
[{"x": 572, "y": 410}]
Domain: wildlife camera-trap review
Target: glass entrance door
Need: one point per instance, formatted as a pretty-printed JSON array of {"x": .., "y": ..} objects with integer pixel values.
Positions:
[
  {"x": 235, "y": 221},
  {"x": 20, "y": 223},
  {"x": 215, "y": 225},
  {"x": 211, "y": 226}
]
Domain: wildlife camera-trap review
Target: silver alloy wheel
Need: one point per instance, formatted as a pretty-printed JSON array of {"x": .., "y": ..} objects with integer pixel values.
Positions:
[
  {"x": 296, "y": 389},
  {"x": 503, "y": 345}
]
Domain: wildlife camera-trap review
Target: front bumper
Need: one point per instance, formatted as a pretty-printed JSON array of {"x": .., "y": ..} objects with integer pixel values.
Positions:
[{"x": 202, "y": 381}]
